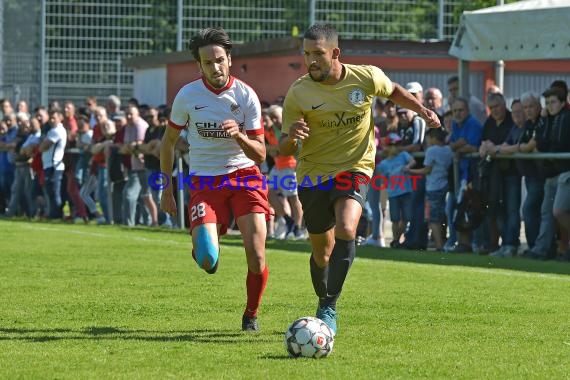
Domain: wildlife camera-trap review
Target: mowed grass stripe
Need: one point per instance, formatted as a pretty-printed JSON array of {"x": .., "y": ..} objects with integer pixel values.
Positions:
[
  {"x": 184, "y": 241},
  {"x": 109, "y": 302}
]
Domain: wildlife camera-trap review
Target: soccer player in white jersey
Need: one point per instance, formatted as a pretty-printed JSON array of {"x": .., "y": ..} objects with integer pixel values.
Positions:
[{"x": 222, "y": 116}]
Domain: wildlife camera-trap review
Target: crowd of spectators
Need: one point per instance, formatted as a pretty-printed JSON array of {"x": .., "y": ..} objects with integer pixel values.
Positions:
[
  {"x": 91, "y": 163},
  {"x": 81, "y": 163},
  {"x": 479, "y": 137}
]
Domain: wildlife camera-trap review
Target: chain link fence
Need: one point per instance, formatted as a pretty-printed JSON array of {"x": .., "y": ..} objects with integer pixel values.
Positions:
[{"x": 71, "y": 49}]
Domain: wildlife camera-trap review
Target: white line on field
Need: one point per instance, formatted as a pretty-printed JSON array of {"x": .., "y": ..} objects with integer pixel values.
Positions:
[
  {"x": 100, "y": 234},
  {"x": 494, "y": 271}
]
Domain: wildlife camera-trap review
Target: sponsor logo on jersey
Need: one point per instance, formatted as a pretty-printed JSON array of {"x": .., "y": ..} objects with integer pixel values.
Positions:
[
  {"x": 344, "y": 119},
  {"x": 213, "y": 130},
  {"x": 317, "y": 106}
]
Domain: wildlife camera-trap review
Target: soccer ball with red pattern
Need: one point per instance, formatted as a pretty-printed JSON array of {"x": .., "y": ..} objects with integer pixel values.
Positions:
[{"x": 309, "y": 337}]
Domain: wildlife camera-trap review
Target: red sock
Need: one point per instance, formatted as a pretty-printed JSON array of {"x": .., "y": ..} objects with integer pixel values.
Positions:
[{"x": 255, "y": 284}]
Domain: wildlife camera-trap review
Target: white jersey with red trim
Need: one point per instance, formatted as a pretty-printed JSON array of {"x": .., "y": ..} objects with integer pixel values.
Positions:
[{"x": 201, "y": 109}]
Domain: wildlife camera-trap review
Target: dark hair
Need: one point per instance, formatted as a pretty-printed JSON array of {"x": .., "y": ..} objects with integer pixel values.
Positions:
[
  {"x": 555, "y": 91},
  {"x": 453, "y": 79},
  {"x": 322, "y": 32},
  {"x": 515, "y": 101},
  {"x": 56, "y": 111},
  {"x": 561, "y": 85},
  {"x": 81, "y": 118},
  {"x": 209, "y": 36},
  {"x": 464, "y": 101},
  {"x": 437, "y": 133},
  {"x": 496, "y": 96},
  {"x": 164, "y": 112}
]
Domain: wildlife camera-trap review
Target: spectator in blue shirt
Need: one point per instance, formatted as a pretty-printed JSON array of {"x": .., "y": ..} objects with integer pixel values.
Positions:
[
  {"x": 438, "y": 159},
  {"x": 398, "y": 185},
  {"x": 465, "y": 138}
]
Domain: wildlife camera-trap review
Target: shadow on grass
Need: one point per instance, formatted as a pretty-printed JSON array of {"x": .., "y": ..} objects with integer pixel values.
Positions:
[
  {"x": 425, "y": 257},
  {"x": 114, "y": 333}
]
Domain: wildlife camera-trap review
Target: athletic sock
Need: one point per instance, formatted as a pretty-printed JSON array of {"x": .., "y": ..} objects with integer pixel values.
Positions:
[
  {"x": 340, "y": 262},
  {"x": 319, "y": 279},
  {"x": 255, "y": 285},
  {"x": 289, "y": 222}
]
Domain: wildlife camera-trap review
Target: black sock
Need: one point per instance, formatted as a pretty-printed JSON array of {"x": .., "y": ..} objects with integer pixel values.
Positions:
[
  {"x": 339, "y": 263},
  {"x": 319, "y": 278},
  {"x": 289, "y": 222}
]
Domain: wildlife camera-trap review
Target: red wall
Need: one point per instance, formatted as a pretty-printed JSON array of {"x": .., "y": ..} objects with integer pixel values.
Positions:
[{"x": 271, "y": 76}]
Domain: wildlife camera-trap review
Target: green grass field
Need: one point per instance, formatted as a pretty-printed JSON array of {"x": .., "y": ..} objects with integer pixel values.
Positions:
[{"x": 109, "y": 302}]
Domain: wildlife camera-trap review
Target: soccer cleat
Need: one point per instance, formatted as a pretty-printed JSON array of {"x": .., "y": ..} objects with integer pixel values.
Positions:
[
  {"x": 280, "y": 228},
  {"x": 213, "y": 269},
  {"x": 298, "y": 234},
  {"x": 249, "y": 323},
  {"x": 370, "y": 241},
  {"x": 504, "y": 251},
  {"x": 328, "y": 315}
]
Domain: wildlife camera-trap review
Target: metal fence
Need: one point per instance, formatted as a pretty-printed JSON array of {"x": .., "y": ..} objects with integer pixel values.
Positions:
[
  {"x": 70, "y": 49},
  {"x": 248, "y": 20},
  {"x": 85, "y": 42}
]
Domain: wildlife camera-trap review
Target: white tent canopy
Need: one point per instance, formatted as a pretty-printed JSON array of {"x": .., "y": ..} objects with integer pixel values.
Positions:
[{"x": 525, "y": 30}]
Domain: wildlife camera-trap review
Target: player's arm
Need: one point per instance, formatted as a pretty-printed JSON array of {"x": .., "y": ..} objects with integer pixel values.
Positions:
[
  {"x": 287, "y": 146},
  {"x": 167, "y": 202},
  {"x": 167, "y": 150},
  {"x": 403, "y": 98},
  {"x": 289, "y": 143},
  {"x": 252, "y": 145}
]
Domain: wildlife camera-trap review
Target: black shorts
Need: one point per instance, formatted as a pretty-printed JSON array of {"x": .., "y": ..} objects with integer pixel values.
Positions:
[{"x": 318, "y": 201}]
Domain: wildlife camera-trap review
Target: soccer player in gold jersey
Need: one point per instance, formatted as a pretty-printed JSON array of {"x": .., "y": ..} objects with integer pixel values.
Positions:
[{"x": 327, "y": 116}]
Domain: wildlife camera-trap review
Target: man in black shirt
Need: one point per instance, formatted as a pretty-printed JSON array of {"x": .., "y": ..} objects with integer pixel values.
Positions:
[
  {"x": 553, "y": 135},
  {"x": 503, "y": 185}
]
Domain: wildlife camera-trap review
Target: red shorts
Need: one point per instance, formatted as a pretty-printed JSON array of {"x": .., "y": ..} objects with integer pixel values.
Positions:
[{"x": 214, "y": 199}]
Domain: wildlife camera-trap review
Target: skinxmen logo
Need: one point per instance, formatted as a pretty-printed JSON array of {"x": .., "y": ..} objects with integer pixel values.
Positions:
[
  {"x": 343, "y": 120},
  {"x": 213, "y": 130},
  {"x": 342, "y": 181}
]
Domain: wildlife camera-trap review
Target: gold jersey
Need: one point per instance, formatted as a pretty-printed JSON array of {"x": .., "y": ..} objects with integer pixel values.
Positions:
[{"x": 339, "y": 117}]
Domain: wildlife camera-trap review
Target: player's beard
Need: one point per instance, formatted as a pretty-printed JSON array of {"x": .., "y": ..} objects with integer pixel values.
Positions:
[
  {"x": 219, "y": 81},
  {"x": 324, "y": 74}
]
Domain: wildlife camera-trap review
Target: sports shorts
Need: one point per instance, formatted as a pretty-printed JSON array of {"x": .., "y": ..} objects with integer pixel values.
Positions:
[
  {"x": 236, "y": 194},
  {"x": 285, "y": 181},
  {"x": 318, "y": 201}
]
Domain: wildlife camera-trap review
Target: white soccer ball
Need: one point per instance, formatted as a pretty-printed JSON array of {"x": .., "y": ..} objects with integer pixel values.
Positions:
[{"x": 309, "y": 337}]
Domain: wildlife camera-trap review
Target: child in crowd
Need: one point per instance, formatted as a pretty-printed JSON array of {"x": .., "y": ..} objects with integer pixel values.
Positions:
[
  {"x": 438, "y": 159},
  {"x": 397, "y": 184}
]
